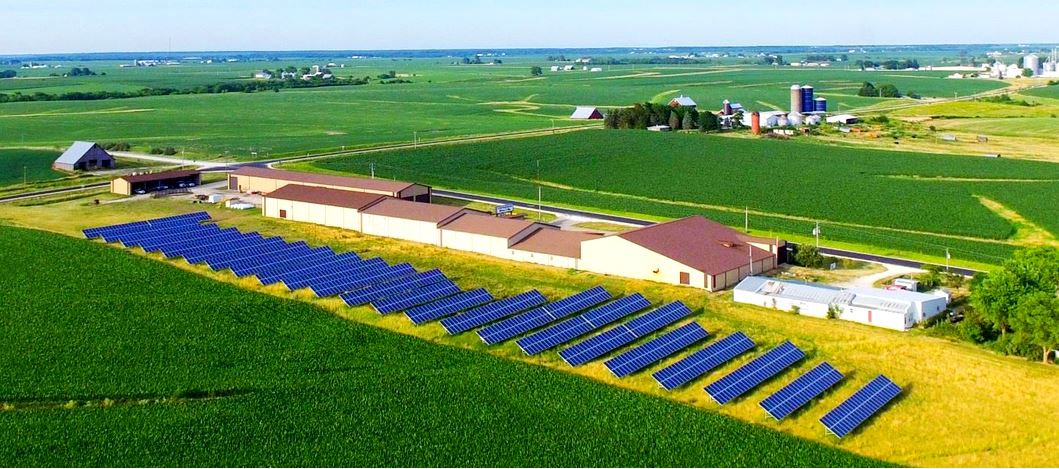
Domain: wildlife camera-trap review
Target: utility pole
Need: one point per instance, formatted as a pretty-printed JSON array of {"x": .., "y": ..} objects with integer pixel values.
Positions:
[
  {"x": 540, "y": 214},
  {"x": 373, "y": 170},
  {"x": 746, "y": 220},
  {"x": 750, "y": 250},
  {"x": 24, "y": 180},
  {"x": 415, "y": 139},
  {"x": 947, "y": 257},
  {"x": 816, "y": 232}
]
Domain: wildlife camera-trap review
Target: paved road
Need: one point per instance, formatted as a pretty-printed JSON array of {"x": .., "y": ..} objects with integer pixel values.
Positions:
[{"x": 640, "y": 222}]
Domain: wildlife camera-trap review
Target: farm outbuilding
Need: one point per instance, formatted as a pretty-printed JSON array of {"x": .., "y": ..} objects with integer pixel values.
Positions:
[
  {"x": 682, "y": 101},
  {"x": 319, "y": 205},
  {"x": 892, "y": 309},
  {"x": 153, "y": 182},
  {"x": 410, "y": 221},
  {"x": 254, "y": 179},
  {"x": 84, "y": 156},
  {"x": 691, "y": 251},
  {"x": 487, "y": 235},
  {"x": 586, "y": 113},
  {"x": 557, "y": 248}
]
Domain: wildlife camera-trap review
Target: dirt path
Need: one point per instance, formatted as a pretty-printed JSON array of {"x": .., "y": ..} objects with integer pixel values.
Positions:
[{"x": 1027, "y": 233}]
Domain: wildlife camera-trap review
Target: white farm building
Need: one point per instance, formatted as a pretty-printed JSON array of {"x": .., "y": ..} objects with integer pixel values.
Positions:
[{"x": 892, "y": 309}]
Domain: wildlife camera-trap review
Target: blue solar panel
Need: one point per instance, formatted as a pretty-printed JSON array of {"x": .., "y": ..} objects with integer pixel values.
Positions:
[
  {"x": 215, "y": 254},
  {"x": 640, "y": 357},
  {"x": 755, "y": 372},
  {"x": 187, "y": 218},
  {"x": 464, "y": 322},
  {"x": 624, "y": 334},
  {"x": 294, "y": 272},
  {"x": 268, "y": 265},
  {"x": 254, "y": 260},
  {"x": 525, "y": 322},
  {"x": 392, "y": 287},
  {"x": 578, "y": 326},
  {"x": 701, "y": 362},
  {"x": 343, "y": 285},
  {"x": 416, "y": 297},
  {"x": 450, "y": 305},
  {"x": 351, "y": 271},
  {"x": 860, "y": 406},
  {"x": 799, "y": 392}
]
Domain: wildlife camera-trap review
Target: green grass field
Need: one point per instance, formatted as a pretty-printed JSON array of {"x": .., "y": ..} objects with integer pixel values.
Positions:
[
  {"x": 443, "y": 101},
  {"x": 931, "y": 199},
  {"x": 33, "y": 165},
  {"x": 114, "y": 360}
]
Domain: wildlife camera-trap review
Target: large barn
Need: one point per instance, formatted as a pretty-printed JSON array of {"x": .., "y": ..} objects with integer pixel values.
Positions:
[
  {"x": 691, "y": 251},
  {"x": 264, "y": 180},
  {"x": 586, "y": 113},
  {"x": 84, "y": 156}
]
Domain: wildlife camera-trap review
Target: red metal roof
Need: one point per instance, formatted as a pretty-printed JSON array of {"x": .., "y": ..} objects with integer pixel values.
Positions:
[
  {"x": 555, "y": 242},
  {"x": 378, "y": 185},
  {"x": 414, "y": 210},
  {"x": 699, "y": 243},
  {"x": 488, "y": 225},
  {"x": 325, "y": 196},
  {"x": 161, "y": 176}
]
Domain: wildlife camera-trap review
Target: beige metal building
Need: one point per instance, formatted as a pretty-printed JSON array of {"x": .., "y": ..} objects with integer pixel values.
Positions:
[
  {"x": 410, "y": 221},
  {"x": 265, "y": 180},
  {"x": 486, "y": 234},
  {"x": 557, "y": 248},
  {"x": 153, "y": 182},
  {"x": 320, "y": 205},
  {"x": 691, "y": 251}
]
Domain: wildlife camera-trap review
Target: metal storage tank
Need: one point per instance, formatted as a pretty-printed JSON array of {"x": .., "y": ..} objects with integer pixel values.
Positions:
[
  {"x": 1049, "y": 66},
  {"x": 773, "y": 121},
  {"x": 782, "y": 121},
  {"x": 726, "y": 109},
  {"x": 820, "y": 105},
  {"x": 812, "y": 120},
  {"x": 796, "y": 98},
  {"x": 807, "y": 99},
  {"x": 1032, "y": 62},
  {"x": 796, "y": 118},
  {"x": 755, "y": 122}
]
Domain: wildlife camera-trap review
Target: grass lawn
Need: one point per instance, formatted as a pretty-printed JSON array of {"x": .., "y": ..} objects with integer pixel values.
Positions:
[
  {"x": 956, "y": 411},
  {"x": 178, "y": 370}
]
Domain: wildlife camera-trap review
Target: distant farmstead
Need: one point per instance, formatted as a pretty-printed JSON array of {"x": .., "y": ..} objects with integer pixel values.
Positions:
[
  {"x": 683, "y": 101},
  {"x": 586, "y": 113},
  {"x": 84, "y": 156}
]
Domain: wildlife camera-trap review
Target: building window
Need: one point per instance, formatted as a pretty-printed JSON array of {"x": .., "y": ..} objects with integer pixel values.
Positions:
[
  {"x": 685, "y": 278},
  {"x": 283, "y": 214}
]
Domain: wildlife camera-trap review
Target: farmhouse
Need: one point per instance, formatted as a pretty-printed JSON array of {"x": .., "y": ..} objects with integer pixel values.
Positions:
[
  {"x": 152, "y": 182},
  {"x": 891, "y": 309},
  {"x": 82, "y": 156},
  {"x": 319, "y": 205},
  {"x": 691, "y": 251},
  {"x": 682, "y": 101},
  {"x": 253, "y": 179},
  {"x": 586, "y": 112}
]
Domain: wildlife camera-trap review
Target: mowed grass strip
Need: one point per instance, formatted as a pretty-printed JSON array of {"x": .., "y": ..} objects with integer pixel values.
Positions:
[{"x": 115, "y": 360}]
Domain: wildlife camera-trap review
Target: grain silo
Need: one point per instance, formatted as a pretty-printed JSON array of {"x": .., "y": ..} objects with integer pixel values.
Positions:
[
  {"x": 796, "y": 98},
  {"x": 820, "y": 105},
  {"x": 755, "y": 122},
  {"x": 807, "y": 98},
  {"x": 1032, "y": 62},
  {"x": 796, "y": 119}
]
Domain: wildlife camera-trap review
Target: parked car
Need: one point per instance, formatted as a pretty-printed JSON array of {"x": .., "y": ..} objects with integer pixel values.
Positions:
[
  {"x": 140, "y": 191},
  {"x": 163, "y": 187},
  {"x": 191, "y": 184},
  {"x": 182, "y": 184}
]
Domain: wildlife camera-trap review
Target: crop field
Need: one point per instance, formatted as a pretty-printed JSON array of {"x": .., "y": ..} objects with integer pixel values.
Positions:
[
  {"x": 178, "y": 370},
  {"x": 443, "y": 101},
  {"x": 921, "y": 202},
  {"x": 29, "y": 164},
  {"x": 320, "y": 369}
]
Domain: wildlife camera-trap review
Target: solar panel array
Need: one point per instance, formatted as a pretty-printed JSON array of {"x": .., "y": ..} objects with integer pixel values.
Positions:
[
  {"x": 750, "y": 375},
  {"x": 701, "y": 362},
  {"x": 578, "y": 326},
  {"x": 430, "y": 296},
  {"x": 799, "y": 392},
  {"x": 540, "y": 317},
  {"x": 860, "y": 406},
  {"x": 624, "y": 334},
  {"x": 643, "y": 356}
]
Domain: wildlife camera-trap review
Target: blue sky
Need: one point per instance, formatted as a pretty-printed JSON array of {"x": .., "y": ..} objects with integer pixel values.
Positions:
[{"x": 45, "y": 26}]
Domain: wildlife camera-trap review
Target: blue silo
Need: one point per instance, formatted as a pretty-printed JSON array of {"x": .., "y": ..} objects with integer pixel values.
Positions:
[
  {"x": 820, "y": 105},
  {"x": 807, "y": 99}
]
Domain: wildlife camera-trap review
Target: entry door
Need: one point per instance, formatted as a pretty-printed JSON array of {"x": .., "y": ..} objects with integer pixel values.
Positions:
[{"x": 685, "y": 278}]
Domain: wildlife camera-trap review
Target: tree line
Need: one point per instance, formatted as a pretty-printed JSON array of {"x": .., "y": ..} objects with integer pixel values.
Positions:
[
  {"x": 644, "y": 115},
  {"x": 81, "y": 72},
  {"x": 868, "y": 89},
  {"x": 891, "y": 64},
  {"x": 1016, "y": 308},
  {"x": 8, "y": 74},
  {"x": 234, "y": 87}
]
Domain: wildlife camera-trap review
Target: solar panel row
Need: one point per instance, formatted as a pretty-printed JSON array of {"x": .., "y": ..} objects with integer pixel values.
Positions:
[
  {"x": 755, "y": 372},
  {"x": 799, "y": 392},
  {"x": 864, "y": 403},
  {"x": 651, "y": 352},
  {"x": 540, "y": 317},
  {"x": 701, "y": 362},
  {"x": 466, "y": 321},
  {"x": 417, "y": 297},
  {"x": 623, "y": 334},
  {"x": 580, "y": 325},
  {"x": 392, "y": 287},
  {"x": 450, "y": 305}
]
